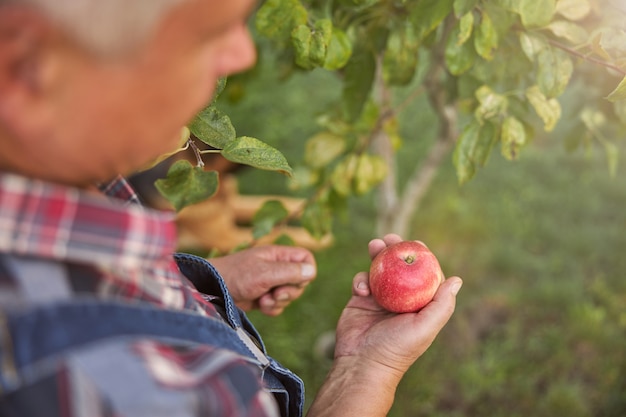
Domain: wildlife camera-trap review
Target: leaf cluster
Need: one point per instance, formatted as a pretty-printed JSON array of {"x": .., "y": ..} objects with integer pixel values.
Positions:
[
  {"x": 187, "y": 184},
  {"x": 504, "y": 66}
]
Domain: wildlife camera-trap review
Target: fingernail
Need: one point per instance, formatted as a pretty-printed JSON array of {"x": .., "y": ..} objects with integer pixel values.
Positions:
[
  {"x": 456, "y": 287},
  {"x": 307, "y": 271},
  {"x": 361, "y": 286},
  {"x": 282, "y": 297}
]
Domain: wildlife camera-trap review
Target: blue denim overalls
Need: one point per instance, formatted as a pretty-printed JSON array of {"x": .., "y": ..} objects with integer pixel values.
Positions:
[{"x": 49, "y": 329}]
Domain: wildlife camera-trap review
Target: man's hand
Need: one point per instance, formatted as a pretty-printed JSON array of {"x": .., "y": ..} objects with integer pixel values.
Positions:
[
  {"x": 267, "y": 278},
  {"x": 393, "y": 340},
  {"x": 374, "y": 348}
]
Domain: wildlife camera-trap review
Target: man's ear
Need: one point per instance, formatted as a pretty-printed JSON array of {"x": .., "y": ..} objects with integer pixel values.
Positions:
[
  {"x": 29, "y": 68},
  {"x": 26, "y": 65}
]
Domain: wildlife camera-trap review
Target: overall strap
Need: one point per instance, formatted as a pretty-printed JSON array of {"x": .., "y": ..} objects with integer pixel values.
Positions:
[
  {"x": 46, "y": 330},
  {"x": 208, "y": 280},
  {"x": 32, "y": 335}
]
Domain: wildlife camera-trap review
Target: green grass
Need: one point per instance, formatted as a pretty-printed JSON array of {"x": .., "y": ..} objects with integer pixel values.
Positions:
[{"x": 540, "y": 327}]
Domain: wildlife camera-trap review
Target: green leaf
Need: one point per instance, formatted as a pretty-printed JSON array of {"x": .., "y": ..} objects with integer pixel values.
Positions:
[
  {"x": 391, "y": 127},
  {"x": 301, "y": 40},
  {"x": 342, "y": 177},
  {"x": 570, "y": 31},
  {"x": 573, "y": 9},
  {"x": 267, "y": 217},
  {"x": 428, "y": 14},
  {"x": 504, "y": 20},
  {"x": 370, "y": 171},
  {"x": 401, "y": 55},
  {"x": 593, "y": 119},
  {"x": 186, "y": 185},
  {"x": 358, "y": 3},
  {"x": 253, "y": 152},
  {"x": 486, "y": 39},
  {"x": 369, "y": 118},
  {"x": 473, "y": 149},
  {"x": 510, "y": 5},
  {"x": 536, "y": 13},
  {"x": 460, "y": 57},
  {"x": 339, "y": 50},
  {"x": 303, "y": 177},
  {"x": 595, "y": 44},
  {"x": 555, "y": 69},
  {"x": 466, "y": 28},
  {"x": 320, "y": 40},
  {"x": 491, "y": 104},
  {"x": 462, "y": 157},
  {"x": 359, "y": 78},
  {"x": 513, "y": 137},
  {"x": 463, "y": 7},
  {"x": 532, "y": 44},
  {"x": 219, "y": 89},
  {"x": 323, "y": 148},
  {"x": 276, "y": 19},
  {"x": 213, "y": 127},
  {"x": 284, "y": 240},
  {"x": 334, "y": 124},
  {"x": 612, "y": 41},
  {"x": 549, "y": 110},
  {"x": 619, "y": 93},
  {"x": 317, "y": 219},
  {"x": 487, "y": 139}
]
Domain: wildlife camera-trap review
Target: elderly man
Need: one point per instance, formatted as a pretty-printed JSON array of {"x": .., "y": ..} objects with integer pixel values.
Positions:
[{"x": 98, "y": 317}]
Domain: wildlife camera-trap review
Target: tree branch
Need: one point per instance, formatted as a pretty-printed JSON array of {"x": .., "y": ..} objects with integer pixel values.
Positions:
[
  {"x": 420, "y": 181},
  {"x": 388, "y": 190},
  {"x": 586, "y": 57}
]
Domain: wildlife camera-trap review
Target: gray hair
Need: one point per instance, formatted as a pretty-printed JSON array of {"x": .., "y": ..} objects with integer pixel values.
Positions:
[{"x": 104, "y": 27}]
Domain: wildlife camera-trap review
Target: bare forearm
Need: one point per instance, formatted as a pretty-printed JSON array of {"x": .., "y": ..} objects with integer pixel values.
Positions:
[{"x": 355, "y": 389}]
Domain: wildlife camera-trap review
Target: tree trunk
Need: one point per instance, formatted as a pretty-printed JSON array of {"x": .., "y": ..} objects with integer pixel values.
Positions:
[
  {"x": 396, "y": 212},
  {"x": 418, "y": 185},
  {"x": 387, "y": 192}
]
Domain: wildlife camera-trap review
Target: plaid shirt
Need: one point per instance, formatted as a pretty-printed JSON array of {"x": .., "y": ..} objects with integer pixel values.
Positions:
[{"x": 110, "y": 250}]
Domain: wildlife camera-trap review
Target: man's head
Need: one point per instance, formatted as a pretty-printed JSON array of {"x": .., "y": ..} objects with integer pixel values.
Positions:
[{"x": 91, "y": 88}]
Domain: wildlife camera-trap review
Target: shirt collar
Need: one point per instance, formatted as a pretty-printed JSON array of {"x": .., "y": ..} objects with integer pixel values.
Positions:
[
  {"x": 120, "y": 189},
  {"x": 52, "y": 221}
]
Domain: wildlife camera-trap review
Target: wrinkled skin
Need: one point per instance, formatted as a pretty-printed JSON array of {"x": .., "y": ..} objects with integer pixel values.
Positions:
[{"x": 267, "y": 278}]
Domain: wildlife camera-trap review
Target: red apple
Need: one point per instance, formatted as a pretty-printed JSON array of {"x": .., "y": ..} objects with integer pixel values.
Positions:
[{"x": 404, "y": 277}]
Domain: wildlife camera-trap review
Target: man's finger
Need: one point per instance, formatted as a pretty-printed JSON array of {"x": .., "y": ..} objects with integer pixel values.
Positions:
[{"x": 437, "y": 313}]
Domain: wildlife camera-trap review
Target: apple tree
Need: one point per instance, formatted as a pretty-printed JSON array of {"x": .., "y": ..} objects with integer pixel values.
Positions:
[{"x": 496, "y": 74}]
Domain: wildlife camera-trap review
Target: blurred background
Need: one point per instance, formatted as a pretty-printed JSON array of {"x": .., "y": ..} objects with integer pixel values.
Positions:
[{"x": 540, "y": 327}]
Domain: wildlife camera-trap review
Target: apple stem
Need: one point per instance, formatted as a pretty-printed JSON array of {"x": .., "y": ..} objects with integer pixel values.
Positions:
[{"x": 409, "y": 259}]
